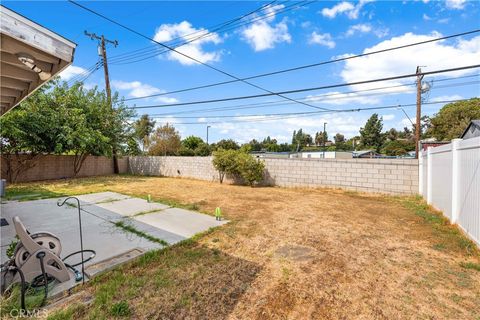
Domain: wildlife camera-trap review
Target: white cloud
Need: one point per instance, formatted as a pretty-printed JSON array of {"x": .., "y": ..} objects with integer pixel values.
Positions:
[
  {"x": 138, "y": 89},
  {"x": 366, "y": 28},
  {"x": 337, "y": 9},
  {"x": 455, "y": 4},
  {"x": 72, "y": 71},
  {"x": 446, "y": 98},
  {"x": 352, "y": 11},
  {"x": 281, "y": 129},
  {"x": 324, "y": 39},
  {"x": 167, "y": 32},
  {"x": 426, "y": 17},
  {"x": 435, "y": 55},
  {"x": 362, "y": 28},
  {"x": 388, "y": 117},
  {"x": 263, "y": 34},
  {"x": 351, "y": 99}
]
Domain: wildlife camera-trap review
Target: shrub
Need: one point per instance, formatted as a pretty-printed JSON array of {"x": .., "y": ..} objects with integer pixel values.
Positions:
[
  {"x": 224, "y": 161},
  {"x": 238, "y": 163},
  {"x": 250, "y": 169}
]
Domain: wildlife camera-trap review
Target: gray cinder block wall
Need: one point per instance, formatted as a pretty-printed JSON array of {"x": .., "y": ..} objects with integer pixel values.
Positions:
[{"x": 396, "y": 176}]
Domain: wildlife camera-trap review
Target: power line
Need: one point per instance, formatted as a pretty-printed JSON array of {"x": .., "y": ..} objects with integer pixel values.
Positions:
[
  {"x": 149, "y": 48},
  {"x": 284, "y": 103},
  {"x": 308, "y": 65},
  {"x": 306, "y": 114},
  {"x": 251, "y": 115},
  {"x": 192, "y": 58},
  {"x": 308, "y": 89},
  {"x": 84, "y": 75},
  {"x": 132, "y": 58}
]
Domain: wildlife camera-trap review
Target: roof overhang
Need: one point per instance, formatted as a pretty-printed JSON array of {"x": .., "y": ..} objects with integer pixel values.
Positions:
[{"x": 30, "y": 55}]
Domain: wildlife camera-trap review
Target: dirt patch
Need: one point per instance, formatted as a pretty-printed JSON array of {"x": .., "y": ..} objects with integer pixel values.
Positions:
[{"x": 295, "y": 253}]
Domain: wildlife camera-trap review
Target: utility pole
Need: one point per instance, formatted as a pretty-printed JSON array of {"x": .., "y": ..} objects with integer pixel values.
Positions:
[
  {"x": 324, "y": 137},
  {"x": 419, "y": 111},
  {"x": 207, "y": 134},
  {"x": 102, "y": 51}
]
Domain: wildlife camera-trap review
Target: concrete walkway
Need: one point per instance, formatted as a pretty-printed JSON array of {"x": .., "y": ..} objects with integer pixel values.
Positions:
[{"x": 100, "y": 212}]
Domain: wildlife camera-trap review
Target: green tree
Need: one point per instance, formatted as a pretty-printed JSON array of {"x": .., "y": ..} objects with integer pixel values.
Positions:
[
  {"x": 339, "y": 138},
  {"x": 225, "y": 162},
  {"x": 192, "y": 142},
  {"x": 227, "y": 144},
  {"x": 255, "y": 145},
  {"x": 397, "y": 147},
  {"x": 238, "y": 163},
  {"x": 203, "y": 150},
  {"x": 143, "y": 128},
  {"x": 320, "y": 139},
  {"x": 450, "y": 122},
  {"x": 58, "y": 119},
  {"x": 165, "y": 141},
  {"x": 371, "y": 135},
  {"x": 250, "y": 169},
  {"x": 301, "y": 139}
]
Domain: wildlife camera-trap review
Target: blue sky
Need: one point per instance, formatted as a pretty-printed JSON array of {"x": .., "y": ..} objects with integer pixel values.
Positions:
[{"x": 316, "y": 32}]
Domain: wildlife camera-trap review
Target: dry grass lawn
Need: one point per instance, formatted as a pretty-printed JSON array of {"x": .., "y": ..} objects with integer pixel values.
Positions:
[{"x": 287, "y": 254}]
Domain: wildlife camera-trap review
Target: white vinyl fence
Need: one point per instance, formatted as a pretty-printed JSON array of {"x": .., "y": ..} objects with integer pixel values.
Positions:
[{"x": 449, "y": 178}]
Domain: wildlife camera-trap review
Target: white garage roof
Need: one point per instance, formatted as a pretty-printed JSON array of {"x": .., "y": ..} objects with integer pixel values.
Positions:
[{"x": 30, "y": 56}]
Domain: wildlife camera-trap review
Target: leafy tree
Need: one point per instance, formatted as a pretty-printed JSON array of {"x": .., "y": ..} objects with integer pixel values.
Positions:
[
  {"x": 143, "y": 128},
  {"x": 58, "y": 119},
  {"x": 450, "y": 122},
  {"x": 255, "y": 145},
  {"x": 192, "y": 142},
  {"x": 320, "y": 139},
  {"x": 371, "y": 135},
  {"x": 203, "y": 150},
  {"x": 250, "y": 169},
  {"x": 398, "y": 147},
  {"x": 225, "y": 162},
  {"x": 227, "y": 145},
  {"x": 392, "y": 134},
  {"x": 238, "y": 163},
  {"x": 339, "y": 138},
  {"x": 165, "y": 141},
  {"x": 301, "y": 139}
]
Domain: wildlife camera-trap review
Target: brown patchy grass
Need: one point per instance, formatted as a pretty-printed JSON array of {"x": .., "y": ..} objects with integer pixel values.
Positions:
[{"x": 288, "y": 253}]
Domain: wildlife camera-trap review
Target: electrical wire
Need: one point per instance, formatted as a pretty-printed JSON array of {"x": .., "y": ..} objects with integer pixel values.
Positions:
[
  {"x": 341, "y": 94},
  {"x": 309, "y": 89},
  {"x": 253, "y": 115},
  {"x": 149, "y": 48},
  {"x": 310, "y": 113},
  {"x": 149, "y": 54},
  {"x": 344, "y": 58},
  {"x": 192, "y": 58}
]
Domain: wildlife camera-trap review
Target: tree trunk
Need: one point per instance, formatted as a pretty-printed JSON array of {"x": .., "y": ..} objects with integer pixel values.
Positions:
[
  {"x": 78, "y": 162},
  {"x": 15, "y": 164}
]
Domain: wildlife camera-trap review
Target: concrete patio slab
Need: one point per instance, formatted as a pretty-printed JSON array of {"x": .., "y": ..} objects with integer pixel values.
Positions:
[
  {"x": 44, "y": 215},
  {"x": 181, "y": 222},
  {"x": 93, "y": 198},
  {"x": 132, "y": 206},
  {"x": 100, "y": 212}
]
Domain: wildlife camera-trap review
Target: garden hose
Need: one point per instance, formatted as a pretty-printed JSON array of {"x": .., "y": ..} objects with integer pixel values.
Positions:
[{"x": 40, "y": 256}]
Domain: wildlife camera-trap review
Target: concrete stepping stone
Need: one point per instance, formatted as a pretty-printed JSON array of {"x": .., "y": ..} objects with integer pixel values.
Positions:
[
  {"x": 179, "y": 221},
  {"x": 100, "y": 197},
  {"x": 132, "y": 206}
]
